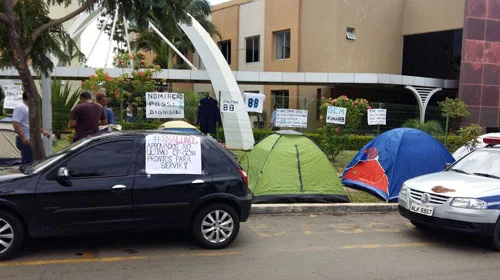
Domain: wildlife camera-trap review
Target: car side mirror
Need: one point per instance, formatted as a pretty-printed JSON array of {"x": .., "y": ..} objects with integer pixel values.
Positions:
[{"x": 63, "y": 176}]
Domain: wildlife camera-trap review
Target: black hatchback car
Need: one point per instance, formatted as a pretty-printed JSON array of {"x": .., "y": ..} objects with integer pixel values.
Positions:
[{"x": 127, "y": 181}]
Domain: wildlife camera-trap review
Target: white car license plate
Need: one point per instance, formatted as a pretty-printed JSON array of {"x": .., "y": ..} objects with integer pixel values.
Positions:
[{"x": 421, "y": 209}]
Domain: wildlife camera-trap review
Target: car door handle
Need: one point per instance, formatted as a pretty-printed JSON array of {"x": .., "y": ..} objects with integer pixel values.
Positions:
[
  {"x": 198, "y": 181},
  {"x": 119, "y": 187}
]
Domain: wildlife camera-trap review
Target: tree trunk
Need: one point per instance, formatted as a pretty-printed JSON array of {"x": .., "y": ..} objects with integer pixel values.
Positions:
[{"x": 21, "y": 64}]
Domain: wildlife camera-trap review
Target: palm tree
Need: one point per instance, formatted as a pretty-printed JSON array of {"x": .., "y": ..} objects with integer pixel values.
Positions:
[{"x": 199, "y": 9}]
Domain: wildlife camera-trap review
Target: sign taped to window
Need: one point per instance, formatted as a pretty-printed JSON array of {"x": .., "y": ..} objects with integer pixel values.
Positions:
[
  {"x": 229, "y": 105},
  {"x": 164, "y": 105},
  {"x": 173, "y": 154},
  {"x": 336, "y": 115}
]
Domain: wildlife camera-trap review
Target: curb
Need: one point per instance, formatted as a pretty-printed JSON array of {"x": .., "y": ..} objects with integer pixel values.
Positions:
[{"x": 322, "y": 208}]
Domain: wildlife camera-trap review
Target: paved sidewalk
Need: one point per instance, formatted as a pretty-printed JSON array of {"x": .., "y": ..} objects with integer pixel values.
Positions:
[{"x": 322, "y": 208}]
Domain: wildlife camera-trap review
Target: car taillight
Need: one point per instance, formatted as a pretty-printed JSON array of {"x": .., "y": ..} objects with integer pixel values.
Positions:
[{"x": 244, "y": 177}]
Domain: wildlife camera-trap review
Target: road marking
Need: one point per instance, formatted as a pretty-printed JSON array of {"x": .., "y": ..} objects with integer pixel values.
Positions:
[
  {"x": 211, "y": 254},
  {"x": 89, "y": 259},
  {"x": 375, "y": 246},
  {"x": 346, "y": 228},
  {"x": 71, "y": 261},
  {"x": 382, "y": 227}
]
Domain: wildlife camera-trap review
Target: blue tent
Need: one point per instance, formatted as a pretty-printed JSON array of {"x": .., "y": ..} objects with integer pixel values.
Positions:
[{"x": 382, "y": 165}]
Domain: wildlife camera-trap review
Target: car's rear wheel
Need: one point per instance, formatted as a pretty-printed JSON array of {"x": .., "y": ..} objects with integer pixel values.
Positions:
[
  {"x": 496, "y": 236},
  {"x": 11, "y": 235},
  {"x": 216, "y": 226}
]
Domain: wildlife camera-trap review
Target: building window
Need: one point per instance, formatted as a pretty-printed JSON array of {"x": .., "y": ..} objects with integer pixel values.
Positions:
[
  {"x": 225, "y": 48},
  {"x": 282, "y": 41},
  {"x": 350, "y": 35},
  {"x": 252, "y": 49},
  {"x": 281, "y": 98}
]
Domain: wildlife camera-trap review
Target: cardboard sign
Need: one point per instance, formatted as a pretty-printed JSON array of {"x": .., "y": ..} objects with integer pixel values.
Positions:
[
  {"x": 254, "y": 102},
  {"x": 164, "y": 105},
  {"x": 377, "y": 116},
  {"x": 336, "y": 115},
  {"x": 291, "y": 118},
  {"x": 173, "y": 154},
  {"x": 13, "y": 95}
]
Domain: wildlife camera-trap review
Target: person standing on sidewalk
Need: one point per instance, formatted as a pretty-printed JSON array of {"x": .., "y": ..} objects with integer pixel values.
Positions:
[
  {"x": 274, "y": 127},
  {"x": 86, "y": 117},
  {"x": 103, "y": 100},
  {"x": 21, "y": 124}
]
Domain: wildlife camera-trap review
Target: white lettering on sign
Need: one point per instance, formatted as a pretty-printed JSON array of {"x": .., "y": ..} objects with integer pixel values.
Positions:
[
  {"x": 336, "y": 115},
  {"x": 164, "y": 105},
  {"x": 13, "y": 95},
  {"x": 291, "y": 118},
  {"x": 173, "y": 154},
  {"x": 377, "y": 116},
  {"x": 254, "y": 102}
]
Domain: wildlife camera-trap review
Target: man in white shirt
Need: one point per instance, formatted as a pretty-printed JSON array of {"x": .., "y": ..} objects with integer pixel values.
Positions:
[{"x": 21, "y": 124}]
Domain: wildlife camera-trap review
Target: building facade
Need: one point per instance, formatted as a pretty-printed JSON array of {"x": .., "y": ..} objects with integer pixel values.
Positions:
[{"x": 421, "y": 38}]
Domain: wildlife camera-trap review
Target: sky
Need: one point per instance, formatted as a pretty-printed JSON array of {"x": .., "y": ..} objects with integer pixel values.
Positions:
[{"x": 98, "y": 57}]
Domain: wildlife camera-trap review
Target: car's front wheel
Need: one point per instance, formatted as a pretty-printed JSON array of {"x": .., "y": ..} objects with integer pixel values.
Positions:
[
  {"x": 216, "y": 226},
  {"x": 496, "y": 236},
  {"x": 11, "y": 235}
]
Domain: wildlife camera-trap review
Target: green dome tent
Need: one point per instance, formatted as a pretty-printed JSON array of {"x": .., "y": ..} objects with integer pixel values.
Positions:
[{"x": 287, "y": 166}]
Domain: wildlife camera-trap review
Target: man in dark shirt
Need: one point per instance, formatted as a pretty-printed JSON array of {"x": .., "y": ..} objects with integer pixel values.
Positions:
[{"x": 86, "y": 117}]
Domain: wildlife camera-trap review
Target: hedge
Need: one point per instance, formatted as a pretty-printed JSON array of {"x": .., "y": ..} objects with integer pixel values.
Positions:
[{"x": 356, "y": 142}]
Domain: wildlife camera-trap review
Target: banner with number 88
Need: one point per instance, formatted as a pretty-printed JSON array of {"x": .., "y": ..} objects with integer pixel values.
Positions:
[{"x": 254, "y": 102}]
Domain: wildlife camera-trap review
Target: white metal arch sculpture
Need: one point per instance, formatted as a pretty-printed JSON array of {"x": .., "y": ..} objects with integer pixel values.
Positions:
[
  {"x": 423, "y": 95},
  {"x": 238, "y": 135}
]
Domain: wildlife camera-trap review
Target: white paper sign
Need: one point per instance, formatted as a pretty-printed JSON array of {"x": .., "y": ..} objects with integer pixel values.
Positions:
[
  {"x": 229, "y": 105},
  {"x": 291, "y": 118},
  {"x": 336, "y": 115},
  {"x": 13, "y": 95},
  {"x": 377, "y": 116},
  {"x": 164, "y": 105},
  {"x": 173, "y": 154},
  {"x": 254, "y": 102}
]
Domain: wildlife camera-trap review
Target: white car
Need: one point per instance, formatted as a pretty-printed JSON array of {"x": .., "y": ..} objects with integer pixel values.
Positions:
[{"x": 465, "y": 197}]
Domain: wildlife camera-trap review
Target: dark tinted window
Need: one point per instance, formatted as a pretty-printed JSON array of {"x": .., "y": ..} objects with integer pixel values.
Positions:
[
  {"x": 225, "y": 48},
  {"x": 218, "y": 161},
  {"x": 108, "y": 159},
  {"x": 252, "y": 49}
]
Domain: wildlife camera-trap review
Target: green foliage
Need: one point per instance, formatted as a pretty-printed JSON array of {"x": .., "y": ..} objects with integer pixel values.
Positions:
[
  {"x": 453, "y": 142},
  {"x": 454, "y": 107},
  {"x": 332, "y": 139},
  {"x": 63, "y": 100},
  {"x": 432, "y": 127},
  {"x": 191, "y": 101},
  {"x": 469, "y": 134}
]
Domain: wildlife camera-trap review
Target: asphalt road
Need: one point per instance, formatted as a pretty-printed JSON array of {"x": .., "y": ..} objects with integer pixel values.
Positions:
[{"x": 374, "y": 246}]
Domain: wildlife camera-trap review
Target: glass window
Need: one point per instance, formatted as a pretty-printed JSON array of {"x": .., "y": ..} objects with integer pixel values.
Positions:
[
  {"x": 104, "y": 160},
  {"x": 252, "y": 49},
  {"x": 282, "y": 41},
  {"x": 281, "y": 98},
  {"x": 480, "y": 161},
  {"x": 225, "y": 48}
]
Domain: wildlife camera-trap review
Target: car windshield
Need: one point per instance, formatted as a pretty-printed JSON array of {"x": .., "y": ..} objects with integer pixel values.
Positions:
[
  {"x": 482, "y": 162},
  {"x": 38, "y": 166}
]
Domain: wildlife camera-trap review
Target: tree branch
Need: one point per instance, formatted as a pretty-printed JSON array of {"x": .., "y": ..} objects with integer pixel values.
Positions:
[
  {"x": 55, "y": 22},
  {"x": 4, "y": 19}
]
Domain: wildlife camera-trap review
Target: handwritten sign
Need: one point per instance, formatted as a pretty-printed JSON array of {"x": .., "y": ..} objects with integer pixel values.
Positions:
[
  {"x": 164, "y": 105},
  {"x": 13, "y": 95},
  {"x": 173, "y": 154},
  {"x": 377, "y": 116},
  {"x": 254, "y": 102},
  {"x": 336, "y": 115},
  {"x": 291, "y": 118}
]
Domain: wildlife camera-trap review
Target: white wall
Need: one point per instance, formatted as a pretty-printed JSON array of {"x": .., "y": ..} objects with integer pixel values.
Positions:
[{"x": 251, "y": 23}]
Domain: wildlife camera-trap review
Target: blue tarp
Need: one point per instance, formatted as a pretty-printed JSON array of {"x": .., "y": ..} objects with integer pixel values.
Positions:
[{"x": 385, "y": 163}]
